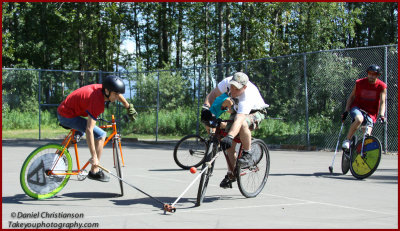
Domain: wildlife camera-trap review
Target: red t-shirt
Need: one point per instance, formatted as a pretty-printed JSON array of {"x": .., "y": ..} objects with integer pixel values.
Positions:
[
  {"x": 87, "y": 100},
  {"x": 368, "y": 96}
]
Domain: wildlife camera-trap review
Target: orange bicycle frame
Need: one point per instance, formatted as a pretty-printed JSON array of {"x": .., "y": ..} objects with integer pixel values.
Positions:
[{"x": 70, "y": 138}]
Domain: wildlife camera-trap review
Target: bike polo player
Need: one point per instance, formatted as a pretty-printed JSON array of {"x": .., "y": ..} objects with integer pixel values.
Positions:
[
  {"x": 247, "y": 99},
  {"x": 367, "y": 95},
  {"x": 89, "y": 101}
]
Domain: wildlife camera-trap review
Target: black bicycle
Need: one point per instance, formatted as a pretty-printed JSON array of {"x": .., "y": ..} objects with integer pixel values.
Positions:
[
  {"x": 190, "y": 151},
  {"x": 251, "y": 180}
]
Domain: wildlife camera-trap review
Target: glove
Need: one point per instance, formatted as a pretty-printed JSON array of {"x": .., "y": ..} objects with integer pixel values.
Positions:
[
  {"x": 344, "y": 115},
  {"x": 206, "y": 115},
  {"x": 132, "y": 112},
  {"x": 382, "y": 119},
  {"x": 226, "y": 142}
]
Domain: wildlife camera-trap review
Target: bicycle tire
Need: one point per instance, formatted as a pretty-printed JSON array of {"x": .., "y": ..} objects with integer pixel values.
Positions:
[
  {"x": 205, "y": 176},
  {"x": 33, "y": 178},
  {"x": 118, "y": 167},
  {"x": 190, "y": 151},
  {"x": 363, "y": 167},
  {"x": 251, "y": 180},
  {"x": 346, "y": 156}
]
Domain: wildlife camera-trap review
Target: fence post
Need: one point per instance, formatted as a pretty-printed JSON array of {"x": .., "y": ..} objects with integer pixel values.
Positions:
[
  {"x": 198, "y": 100},
  {"x": 386, "y": 106},
  {"x": 306, "y": 94},
  {"x": 39, "y": 98},
  {"x": 158, "y": 102}
]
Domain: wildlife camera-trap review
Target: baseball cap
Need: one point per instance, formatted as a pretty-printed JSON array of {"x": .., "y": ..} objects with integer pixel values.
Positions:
[{"x": 239, "y": 80}]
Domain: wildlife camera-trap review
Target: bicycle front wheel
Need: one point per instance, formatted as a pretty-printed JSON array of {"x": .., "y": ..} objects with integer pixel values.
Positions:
[
  {"x": 35, "y": 179},
  {"x": 205, "y": 177},
  {"x": 190, "y": 151},
  {"x": 118, "y": 165},
  {"x": 252, "y": 180},
  {"x": 363, "y": 166}
]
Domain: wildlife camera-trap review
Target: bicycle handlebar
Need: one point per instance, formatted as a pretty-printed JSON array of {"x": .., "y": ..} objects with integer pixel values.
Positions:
[{"x": 124, "y": 118}]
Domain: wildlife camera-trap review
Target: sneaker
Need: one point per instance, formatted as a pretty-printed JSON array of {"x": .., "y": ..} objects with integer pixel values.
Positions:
[
  {"x": 346, "y": 144},
  {"x": 246, "y": 159},
  {"x": 226, "y": 182},
  {"x": 100, "y": 176}
]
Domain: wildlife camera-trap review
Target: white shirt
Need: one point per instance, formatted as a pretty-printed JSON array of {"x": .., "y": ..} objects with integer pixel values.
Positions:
[{"x": 249, "y": 100}]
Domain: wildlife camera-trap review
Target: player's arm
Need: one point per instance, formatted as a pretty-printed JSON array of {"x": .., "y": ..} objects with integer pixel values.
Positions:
[
  {"x": 383, "y": 103},
  {"x": 90, "y": 139},
  {"x": 351, "y": 98},
  {"x": 211, "y": 96}
]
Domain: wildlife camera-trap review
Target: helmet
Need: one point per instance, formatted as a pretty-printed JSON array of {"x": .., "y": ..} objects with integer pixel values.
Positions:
[
  {"x": 114, "y": 83},
  {"x": 374, "y": 68}
]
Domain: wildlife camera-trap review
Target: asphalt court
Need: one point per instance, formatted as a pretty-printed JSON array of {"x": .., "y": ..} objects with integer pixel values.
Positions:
[{"x": 300, "y": 193}]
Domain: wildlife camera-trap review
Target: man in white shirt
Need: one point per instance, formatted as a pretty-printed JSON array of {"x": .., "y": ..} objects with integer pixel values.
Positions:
[{"x": 247, "y": 100}]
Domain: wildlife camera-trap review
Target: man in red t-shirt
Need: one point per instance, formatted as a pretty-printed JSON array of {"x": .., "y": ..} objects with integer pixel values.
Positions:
[
  {"x": 88, "y": 101},
  {"x": 363, "y": 103}
]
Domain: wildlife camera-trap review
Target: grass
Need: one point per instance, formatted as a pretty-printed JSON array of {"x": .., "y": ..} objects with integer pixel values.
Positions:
[{"x": 59, "y": 133}]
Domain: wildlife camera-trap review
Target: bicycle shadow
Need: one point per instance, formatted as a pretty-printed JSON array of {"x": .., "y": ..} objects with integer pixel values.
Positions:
[
  {"x": 183, "y": 203},
  {"x": 25, "y": 199}
]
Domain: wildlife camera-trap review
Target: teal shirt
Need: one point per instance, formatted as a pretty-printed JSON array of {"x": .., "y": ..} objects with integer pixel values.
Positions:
[{"x": 216, "y": 106}]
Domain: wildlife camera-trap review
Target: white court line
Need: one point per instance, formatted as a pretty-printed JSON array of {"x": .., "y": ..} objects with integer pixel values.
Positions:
[{"x": 291, "y": 198}]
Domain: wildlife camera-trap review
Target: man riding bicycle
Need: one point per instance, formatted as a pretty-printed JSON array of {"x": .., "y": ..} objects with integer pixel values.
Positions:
[
  {"x": 364, "y": 101},
  {"x": 249, "y": 110},
  {"x": 88, "y": 101}
]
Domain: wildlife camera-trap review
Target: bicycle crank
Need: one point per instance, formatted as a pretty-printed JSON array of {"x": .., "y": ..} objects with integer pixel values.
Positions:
[{"x": 82, "y": 175}]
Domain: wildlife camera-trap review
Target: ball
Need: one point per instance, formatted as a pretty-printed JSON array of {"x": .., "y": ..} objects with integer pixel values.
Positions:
[{"x": 193, "y": 170}]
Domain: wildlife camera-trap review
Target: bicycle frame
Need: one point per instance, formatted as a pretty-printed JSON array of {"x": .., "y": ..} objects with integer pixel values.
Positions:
[
  {"x": 218, "y": 135},
  {"x": 70, "y": 139}
]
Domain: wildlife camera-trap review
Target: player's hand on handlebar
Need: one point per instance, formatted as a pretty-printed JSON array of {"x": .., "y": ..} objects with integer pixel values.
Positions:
[
  {"x": 344, "y": 115},
  {"x": 382, "y": 119},
  {"x": 226, "y": 142},
  {"x": 132, "y": 112}
]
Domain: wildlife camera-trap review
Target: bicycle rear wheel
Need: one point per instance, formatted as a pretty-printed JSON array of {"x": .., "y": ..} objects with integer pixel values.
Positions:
[
  {"x": 205, "y": 177},
  {"x": 252, "y": 180},
  {"x": 363, "y": 167},
  {"x": 346, "y": 156},
  {"x": 35, "y": 179},
  {"x": 190, "y": 151},
  {"x": 118, "y": 165}
]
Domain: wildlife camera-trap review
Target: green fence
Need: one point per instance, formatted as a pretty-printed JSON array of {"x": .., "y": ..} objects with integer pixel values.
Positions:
[{"x": 306, "y": 92}]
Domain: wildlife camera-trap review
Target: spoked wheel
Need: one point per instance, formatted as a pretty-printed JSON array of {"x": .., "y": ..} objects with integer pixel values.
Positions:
[
  {"x": 205, "y": 177},
  {"x": 363, "y": 166},
  {"x": 346, "y": 156},
  {"x": 37, "y": 177},
  {"x": 118, "y": 165},
  {"x": 190, "y": 151},
  {"x": 252, "y": 180}
]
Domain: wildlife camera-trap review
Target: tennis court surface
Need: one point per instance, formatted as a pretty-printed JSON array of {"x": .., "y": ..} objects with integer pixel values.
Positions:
[{"x": 300, "y": 193}]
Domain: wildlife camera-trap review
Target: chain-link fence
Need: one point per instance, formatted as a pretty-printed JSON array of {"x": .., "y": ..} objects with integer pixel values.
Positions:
[{"x": 306, "y": 92}]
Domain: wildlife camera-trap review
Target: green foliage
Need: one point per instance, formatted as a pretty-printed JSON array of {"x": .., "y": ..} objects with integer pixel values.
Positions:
[{"x": 18, "y": 119}]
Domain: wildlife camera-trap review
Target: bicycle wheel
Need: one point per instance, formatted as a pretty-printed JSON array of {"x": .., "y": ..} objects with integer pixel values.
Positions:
[
  {"x": 190, "y": 151},
  {"x": 205, "y": 177},
  {"x": 363, "y": 167},
  {"x": 34, "y": 177},
  {"x": 252, "y": 180},
  {"x": 117, "y": 164},
  {"x": 346, "y": 156}
]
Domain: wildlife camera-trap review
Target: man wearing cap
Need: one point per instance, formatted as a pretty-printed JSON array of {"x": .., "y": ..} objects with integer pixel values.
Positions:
[{"x": 249, "y": 111}]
